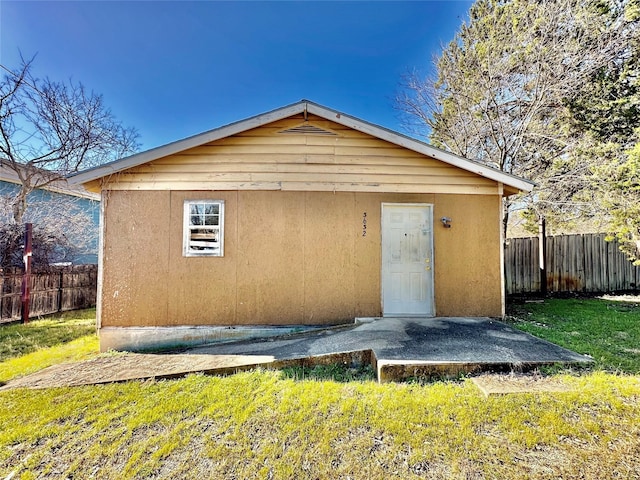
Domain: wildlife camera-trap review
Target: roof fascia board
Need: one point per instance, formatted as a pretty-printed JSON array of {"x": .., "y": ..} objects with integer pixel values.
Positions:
[
  {"x": 420, "y": 147},
  {"x": 187, "y": 143},
  {"x": 52, "y": 188},
  {"x": 73, "y": 193}
]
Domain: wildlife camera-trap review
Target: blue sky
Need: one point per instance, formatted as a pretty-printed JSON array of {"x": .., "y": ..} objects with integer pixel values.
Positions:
[{"x": 175, "y": 69}]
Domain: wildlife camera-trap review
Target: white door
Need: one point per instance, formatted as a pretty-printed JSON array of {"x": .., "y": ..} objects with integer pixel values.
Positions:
[{"x": 407, "y": 259}]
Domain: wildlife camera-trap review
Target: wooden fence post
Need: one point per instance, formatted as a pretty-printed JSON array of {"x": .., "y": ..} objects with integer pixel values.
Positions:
[
  {"x": 26, "y": 277},
  {"x": 2, "y": 300},
  {"x": 542, "y": 251},
  {"x": 60, "y": 285}
]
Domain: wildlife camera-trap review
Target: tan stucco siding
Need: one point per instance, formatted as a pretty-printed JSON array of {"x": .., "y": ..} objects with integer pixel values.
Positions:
[
  {"x": 467, "y": 256},
  {"x": 289, "y": 258},
  {"x": 136, "y": 253},
  {"x": 267, "y": 159},
  {"x": 329, "y": 237},
  {"x": 202, "y": 289},
  {"x": 270, "y": 259}
]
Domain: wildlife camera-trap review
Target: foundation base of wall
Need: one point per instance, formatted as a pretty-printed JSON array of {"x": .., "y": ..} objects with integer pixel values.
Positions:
[
  {"x": 135, "y": 339},
  {"x": 366, "y": 319}
]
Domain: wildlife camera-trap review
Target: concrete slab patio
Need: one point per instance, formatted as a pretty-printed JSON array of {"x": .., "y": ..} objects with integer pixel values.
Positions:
[
  {"x": 397, "y": 348},
  {"x": 416, "y": 347}
]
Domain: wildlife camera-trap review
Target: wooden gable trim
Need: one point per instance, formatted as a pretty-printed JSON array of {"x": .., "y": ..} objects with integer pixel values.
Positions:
[
  {"x": 511, "y": 183},
  {"x": 420, "y": 147},
  {"x": 185, "y": 144}
]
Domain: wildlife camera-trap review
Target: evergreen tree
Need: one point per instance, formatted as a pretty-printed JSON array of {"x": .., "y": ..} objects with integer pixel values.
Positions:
[
  {"x": 510, "y": 89},
  {"x": 605, "y": 115}
]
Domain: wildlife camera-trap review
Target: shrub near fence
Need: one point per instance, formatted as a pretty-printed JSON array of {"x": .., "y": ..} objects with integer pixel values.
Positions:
[
  {"x": 53, "y": 291},
  {"x": 575, "y": 263}
]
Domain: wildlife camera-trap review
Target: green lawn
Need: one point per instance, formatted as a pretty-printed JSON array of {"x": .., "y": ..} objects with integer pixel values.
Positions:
[
  {"x": 18, "y": 339},
  {"x": 295, "y": 425},
  {"x": 25, "y": 349},
  {"x": 608, "y": 330}
]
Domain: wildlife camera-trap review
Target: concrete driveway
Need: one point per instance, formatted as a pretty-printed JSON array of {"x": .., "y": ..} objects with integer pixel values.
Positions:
[{"x": 397, "y": 348}]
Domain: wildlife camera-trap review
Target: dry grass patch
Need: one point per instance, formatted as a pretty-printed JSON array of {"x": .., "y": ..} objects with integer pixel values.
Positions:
[
  {"x": 262, "y": 425},
  {"x": 79, "y": 349},
  {"x": 501, "y": 384}
]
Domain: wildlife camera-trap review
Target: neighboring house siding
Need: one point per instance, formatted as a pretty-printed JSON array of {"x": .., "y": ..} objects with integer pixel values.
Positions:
[
  {"x": 290, "y": 258},
  {"x": 265, "y": 158},
  {"x": 87, "y": 205}
]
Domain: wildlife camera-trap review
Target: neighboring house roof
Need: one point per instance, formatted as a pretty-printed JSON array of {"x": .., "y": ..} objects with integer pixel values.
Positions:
[
  {"x": 8, "y": 174},
  {"x": 302, "y": 107}
]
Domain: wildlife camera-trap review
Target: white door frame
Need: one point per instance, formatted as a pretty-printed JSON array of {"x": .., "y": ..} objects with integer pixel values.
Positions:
[{"x": 430, "y": 274}]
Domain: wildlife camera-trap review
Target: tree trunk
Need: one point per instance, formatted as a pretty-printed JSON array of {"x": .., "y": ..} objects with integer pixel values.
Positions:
[
  {"x": 505, "y": 218},
  {"x": 20, "y": 205},
  {"x": 26, "y": 277}
]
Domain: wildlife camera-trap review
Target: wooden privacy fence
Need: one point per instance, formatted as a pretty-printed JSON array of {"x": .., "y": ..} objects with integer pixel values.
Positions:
[
  {"x": 574, "y": 263},
  {"x": 57, "y": 290}
]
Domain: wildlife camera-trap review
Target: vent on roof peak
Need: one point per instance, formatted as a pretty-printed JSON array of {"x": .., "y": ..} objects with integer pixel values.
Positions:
[{"x": 307, "y": 129}]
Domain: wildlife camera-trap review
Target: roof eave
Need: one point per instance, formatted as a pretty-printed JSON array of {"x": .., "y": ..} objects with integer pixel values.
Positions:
[
  {"x": 185, "y": 144},
  {"x": 302, "y": 106},
  {"x": 9, "y": 176},
  {"x": 416, "y": 145}
]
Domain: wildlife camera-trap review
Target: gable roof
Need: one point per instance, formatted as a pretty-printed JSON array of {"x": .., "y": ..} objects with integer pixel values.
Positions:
[
  {"x": 62, "y": 186},
  {"x": 302, "y": 107}
]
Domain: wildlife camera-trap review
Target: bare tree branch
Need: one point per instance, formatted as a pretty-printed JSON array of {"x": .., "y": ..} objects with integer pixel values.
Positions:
[
  {"x": 50, "y": 129},
  {"x": 504, "y": 82}
]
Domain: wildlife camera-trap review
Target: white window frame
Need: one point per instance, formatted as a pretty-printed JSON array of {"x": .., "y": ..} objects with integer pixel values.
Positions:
[{"x": 187, "y": 228}]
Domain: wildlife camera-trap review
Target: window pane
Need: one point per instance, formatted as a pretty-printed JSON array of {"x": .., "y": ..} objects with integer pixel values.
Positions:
[
  {"x": 196, "y": 220},
  {"x": 212, "y": 209},
  {"x": 204, "y": 239},
  {"x": 211, "y": 220},
  {"x": 196, "y": 208}
]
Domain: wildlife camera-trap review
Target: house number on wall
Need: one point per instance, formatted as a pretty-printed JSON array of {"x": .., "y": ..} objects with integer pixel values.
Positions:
[{"x": 364, "y": 224}]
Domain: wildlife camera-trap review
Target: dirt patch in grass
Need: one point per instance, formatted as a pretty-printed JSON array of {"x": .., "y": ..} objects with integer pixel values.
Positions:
[
  {"x": 518, "y": 383},
  {"x": 628, "y": 297}
]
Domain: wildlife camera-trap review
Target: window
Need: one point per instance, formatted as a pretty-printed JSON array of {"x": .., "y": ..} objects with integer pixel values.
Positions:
[{"x": 203, "y": 228}]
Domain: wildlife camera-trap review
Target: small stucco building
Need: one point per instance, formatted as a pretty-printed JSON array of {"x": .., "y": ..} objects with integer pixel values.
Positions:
[{"x": 300, "y": 216}]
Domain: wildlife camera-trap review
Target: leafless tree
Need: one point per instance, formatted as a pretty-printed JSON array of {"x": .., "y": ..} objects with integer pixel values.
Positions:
[
  {"x": 50, "y": 129},
  {"x": 63, "y": 229}
]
